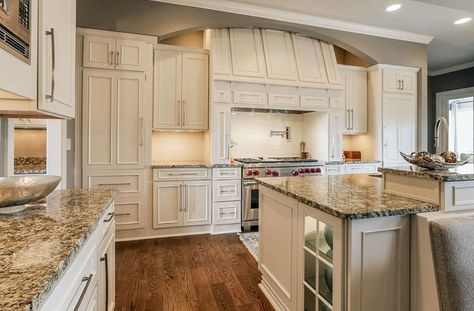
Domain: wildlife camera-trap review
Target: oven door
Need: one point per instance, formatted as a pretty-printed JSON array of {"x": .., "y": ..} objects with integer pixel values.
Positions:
[{"x": 250, "y": 201}]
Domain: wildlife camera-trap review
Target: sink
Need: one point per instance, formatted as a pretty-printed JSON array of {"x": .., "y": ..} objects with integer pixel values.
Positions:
[{"x": 17, "y": 191}]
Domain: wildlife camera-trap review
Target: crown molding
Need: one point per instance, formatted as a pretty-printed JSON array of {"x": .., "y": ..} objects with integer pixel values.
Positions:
[
  {"x": 300, "y": 18},
  {"x": 450, "y": 69}
]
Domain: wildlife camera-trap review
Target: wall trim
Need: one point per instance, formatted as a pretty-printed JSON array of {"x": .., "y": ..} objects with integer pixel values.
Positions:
[
  {"x": 300, "y": 18},
  {"x": 450, "y": 69}
]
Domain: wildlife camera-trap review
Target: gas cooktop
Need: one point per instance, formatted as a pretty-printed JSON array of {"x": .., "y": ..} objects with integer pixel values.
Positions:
[{"x": 274, "y": 160}]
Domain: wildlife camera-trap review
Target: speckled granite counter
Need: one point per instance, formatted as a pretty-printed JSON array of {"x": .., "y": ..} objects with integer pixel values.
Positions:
[
  {"x": 347, "y": 196},
  {"x": 463, "y": 173},
  {"x": 38, "y": 244},
  {"x": 191, "y": 164}
]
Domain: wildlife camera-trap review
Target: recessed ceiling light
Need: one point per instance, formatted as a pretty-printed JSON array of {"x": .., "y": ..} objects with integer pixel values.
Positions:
[
  {"x": 393, "y": 7},
  {"x": 463, "y": 21}
]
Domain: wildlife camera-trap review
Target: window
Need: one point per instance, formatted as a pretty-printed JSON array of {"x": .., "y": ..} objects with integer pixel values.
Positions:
[{"x": 461, "y": 125}]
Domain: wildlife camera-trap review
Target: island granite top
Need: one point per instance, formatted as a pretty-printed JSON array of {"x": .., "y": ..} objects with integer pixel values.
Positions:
[
  {"x": 462, "y": 173},
  {"x": 191, "y": 164},
  {"x": 346, "y": 196},
  {"x": 38, "y": 244}
]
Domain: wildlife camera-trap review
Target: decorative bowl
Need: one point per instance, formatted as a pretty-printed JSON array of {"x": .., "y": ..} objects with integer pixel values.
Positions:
[
  {"x": 17, "y": 191},
  {"x": 432, "y": 164}
]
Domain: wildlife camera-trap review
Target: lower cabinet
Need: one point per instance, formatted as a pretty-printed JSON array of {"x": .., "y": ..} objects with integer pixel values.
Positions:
[
  {"x": 181, "y": 203},
  {"x": 106, "y": 271}
]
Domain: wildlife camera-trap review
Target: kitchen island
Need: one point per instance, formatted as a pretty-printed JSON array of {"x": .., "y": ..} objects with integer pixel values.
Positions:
[
  {"x": 335, "y": 243},
  {"x": 47, "y": 243}
]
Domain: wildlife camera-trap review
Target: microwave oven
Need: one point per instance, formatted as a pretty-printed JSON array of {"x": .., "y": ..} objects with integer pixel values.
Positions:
[{"x": 15, "y": 36}]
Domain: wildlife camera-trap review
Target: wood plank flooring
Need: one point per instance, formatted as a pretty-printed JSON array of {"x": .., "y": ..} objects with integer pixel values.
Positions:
[{"x": 202, "y": 272}]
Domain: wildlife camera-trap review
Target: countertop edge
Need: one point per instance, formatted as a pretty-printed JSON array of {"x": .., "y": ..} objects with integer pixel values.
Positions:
[
  {"x": 427, "y": 174},
  {"x": 204, "y": 165}
]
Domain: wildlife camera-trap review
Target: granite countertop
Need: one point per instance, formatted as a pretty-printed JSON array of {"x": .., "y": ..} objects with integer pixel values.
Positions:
[
  {"x": 346, "y": 196},
  {"x": 350, "y": 161},
  {"x": 38, "y": 244},
  {"x": 462, "y": 173},
  {"x": 191, "y": 164}
]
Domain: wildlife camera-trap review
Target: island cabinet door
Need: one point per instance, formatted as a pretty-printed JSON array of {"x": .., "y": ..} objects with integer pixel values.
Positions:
[
  {"x": 379, "y": 264},
  {"x": 320, "y": 260},
  {"x": 107, "y": 271}
]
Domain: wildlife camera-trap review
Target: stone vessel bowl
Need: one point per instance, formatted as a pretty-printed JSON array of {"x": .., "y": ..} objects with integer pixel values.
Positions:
[{"x": 17, "y": 191}]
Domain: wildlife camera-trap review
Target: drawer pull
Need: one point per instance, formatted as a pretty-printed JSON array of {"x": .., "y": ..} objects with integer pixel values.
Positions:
[
  {"x": 228, "y": 191},
  {"x": 111, "y": 215},
  {"x": 122, "y": 214},
  {"x": 87, "y": 279},
  {"x": 115, "y": 184},
  {"x": 183, "y": 174},
  {"x": 227, "y": 213},
  {"x": 105, "y": 259}
]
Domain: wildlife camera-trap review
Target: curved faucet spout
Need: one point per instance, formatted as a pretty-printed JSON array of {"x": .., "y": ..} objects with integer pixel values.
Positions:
[{"x": 441, "y": 121}]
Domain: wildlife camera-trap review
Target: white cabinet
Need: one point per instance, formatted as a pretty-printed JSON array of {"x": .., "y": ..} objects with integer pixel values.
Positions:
[
  {"x": 336, "y": 127},
  {"x": 197, "y": 202},
  {"x": 310, "y": 61},
  {"x": 279, "y": 55},
  {"x": 354, "y": 81},
  {"x": 57, "y": 61},
  {"x": 220, "y": 52},
  {"x": 113, "y": 119},
  {"x": 361, "y": 168},
  {"x": 331, "y": 64},
  {"x": 111, "y": 53},
  {"x": 399, "y": 81},
  {"x": 336, "y": 169},
  {"x": 248, "y": 59},
  {"x": 181, "y": 90},
  {"x": 106, "y": 271},
  {"x": 221, "y": 134},
  {"x": 227, "y": 196}
]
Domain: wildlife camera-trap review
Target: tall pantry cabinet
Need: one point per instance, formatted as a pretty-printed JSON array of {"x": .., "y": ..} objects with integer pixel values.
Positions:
[{"x": 116, "y": 75}]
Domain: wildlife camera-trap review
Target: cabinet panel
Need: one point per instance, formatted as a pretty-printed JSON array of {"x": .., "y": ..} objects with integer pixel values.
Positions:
[
  {"x": 391, "y": 81},
  {"x": 107, "y": 271},
  {"x": 336, "y": 127},
  {"x": 279, "y": 55},
  {"x": 227, "y": 212},
  {"x": 130, "y": 213},
  {"x": 197, "y": 209},
  {"x": 331, "y": 63},
  {"x": 181, "y": 174},
  {"x": 309, "y": 59},
  {"x": 195, "y": 100},
  {"x": 167, "y": 90},
  {"x": 130, "y": 55},
  {"x": 221, "y": 134},
  {"x": 409, "y": 82},
  {"x": 98, "y": 110},
  {"x": 167, "y": 204},
  {"x": 57, "y": 57},
  {"x": 130, "y": 119},
  {"x": 226, "y": 173},
  {"x": 220, "y": 52},
  {"x": 227, "y": 190},
  {"x": 354, "y": 83},
  {"x": 99, "y": 52},
  {"x": 247, "y": 52},
  {"x": 128, "y": 184}
]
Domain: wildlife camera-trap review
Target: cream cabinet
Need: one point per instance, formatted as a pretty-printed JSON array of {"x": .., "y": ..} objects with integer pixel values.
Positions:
[
  {"x": 106, "y": 270},
  {"x": 113, "y": 53},
  {"x": 329, "y": 57},
  {"x": 336, "y": 128},
  {"x": 181, "y": 203},
  {"x": 399, "y": 81},
  {"x": 246, "y": 47},
  {"x": 181, "y": 98},
  {"x": 113, "y": 119},
  {"x": 221, "y": 135},
  {"x": 354, "y": 82},
  {"x": 279, "y": 55},
  {"x": 309, "y": 58},
  {"x": 220, "y": 56}
]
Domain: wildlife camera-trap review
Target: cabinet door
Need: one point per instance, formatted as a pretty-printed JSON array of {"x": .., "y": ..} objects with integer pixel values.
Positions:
[
  {"x": 336, "y": 127},
  {"x": 194, "y": 93},
  {"x": 130, "y": 213},
  {"x": 391, "y": 81},
  {"x": 99, "y": 52},
  {"x": 247, "y": 52},
  {"x": 220, "y": 134},
  {"x": 220, "y": 52},
  {"x": 309, "y": 59},
  {"x": 346, "y": 83},
  {"x": 167, "y": 204},
  {"x": 331, "y": 63},
  {"x": 98, "y": 127},
  {"x": 167, "y": 90},
  {"x": 197, "y": 208},
  {"x": 359, "y": 101},
  {"x": 130, "y": 55},
  {"x": 130, "y": 113},
  {"x": 279, "y": 55},
  {"x": 408, "y": 81},
  {"x": 57, "y": 58},
  {"x": 107, "y": 271}
]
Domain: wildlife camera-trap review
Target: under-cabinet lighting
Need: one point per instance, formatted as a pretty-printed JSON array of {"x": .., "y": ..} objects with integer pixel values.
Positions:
[{"x": 393, "y": 7}]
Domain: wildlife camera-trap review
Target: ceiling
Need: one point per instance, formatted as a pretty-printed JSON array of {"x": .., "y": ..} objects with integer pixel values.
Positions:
[{"x": 452, "y": 45}]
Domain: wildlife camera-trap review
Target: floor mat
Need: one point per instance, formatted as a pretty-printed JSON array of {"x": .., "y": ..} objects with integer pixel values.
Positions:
[{"x": 250, "y": 240}]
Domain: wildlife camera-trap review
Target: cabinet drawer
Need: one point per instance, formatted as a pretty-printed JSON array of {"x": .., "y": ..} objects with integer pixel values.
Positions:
[
  {"x": 128, "y": 184},
  {"x": 361, "y": 168},
  {"x": 227, "y": 190},
  {"x": 227, "y": 173},
  {"x": 129, "y": 213},
  {"x": 335, "y": 169},
  {"x": 181, "y": 174},
  {"x": 106, "y": 220},
  {"x": 227, "y": 212}
]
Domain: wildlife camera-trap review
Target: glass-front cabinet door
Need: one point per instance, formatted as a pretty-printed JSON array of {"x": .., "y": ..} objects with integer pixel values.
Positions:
[{"x": 320, "y": 263}]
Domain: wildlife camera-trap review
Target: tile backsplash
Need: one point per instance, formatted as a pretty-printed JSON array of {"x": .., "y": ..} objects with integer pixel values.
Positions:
[{"x": 250, "y": 134}]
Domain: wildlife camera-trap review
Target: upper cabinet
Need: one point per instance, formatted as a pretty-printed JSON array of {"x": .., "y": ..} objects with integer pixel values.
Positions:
[
  {"x": 331, "y": 64},
  {"x": 220, "y": 59},
  {"x": 181, "y": 98},
  {"x": 110, "y": 53},
  {"x": 309, "y": 59},
  {"x": 399, "y": 81},
  {"x": 246, "y": 47},
  {"x": 279, "y": 55},
  {"x": 354, "y": 82}
]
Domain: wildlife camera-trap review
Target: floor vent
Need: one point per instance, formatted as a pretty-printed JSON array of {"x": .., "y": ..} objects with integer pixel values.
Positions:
[{"x": 14, "y": 44}]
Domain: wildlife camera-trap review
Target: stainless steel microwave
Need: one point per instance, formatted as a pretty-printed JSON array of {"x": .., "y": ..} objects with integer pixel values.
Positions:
[{"x": 15, "y": 23}]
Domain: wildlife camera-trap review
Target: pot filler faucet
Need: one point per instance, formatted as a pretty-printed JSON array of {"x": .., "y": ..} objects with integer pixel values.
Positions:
[{"x": 440, "y": 121}]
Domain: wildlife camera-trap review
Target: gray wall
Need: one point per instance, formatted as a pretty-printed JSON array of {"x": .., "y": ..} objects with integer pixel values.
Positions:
[
  {"x": 442, "y": 83},
  {"x": 165, "y": 20}
]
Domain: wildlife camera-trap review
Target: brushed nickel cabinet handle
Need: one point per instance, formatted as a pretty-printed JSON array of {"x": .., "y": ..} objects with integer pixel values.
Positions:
[
  {"x": 111, "y": 58},
  {"x": 87, "y": 279},
  {"x": 117, "y": 59},
  {"x": 115, "y": 184},
  {"x": 183, "y": 174},
  {"x": 141, "y": 131},
  {"x": 111, "y": 215},
  {"x": 53, "y": 63},
  {"x": 105, "y": 259},
  {"x": 122, "y": 214}
]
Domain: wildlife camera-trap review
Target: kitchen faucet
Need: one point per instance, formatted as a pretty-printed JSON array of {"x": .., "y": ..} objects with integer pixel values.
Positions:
[{"x": 439, "y": 121}]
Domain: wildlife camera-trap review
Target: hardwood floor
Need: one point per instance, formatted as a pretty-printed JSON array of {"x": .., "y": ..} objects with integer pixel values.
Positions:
[{"x": 202, "y": 272}]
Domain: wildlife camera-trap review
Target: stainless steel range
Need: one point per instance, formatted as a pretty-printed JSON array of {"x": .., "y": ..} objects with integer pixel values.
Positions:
[{"x": 269, "y": 167}]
